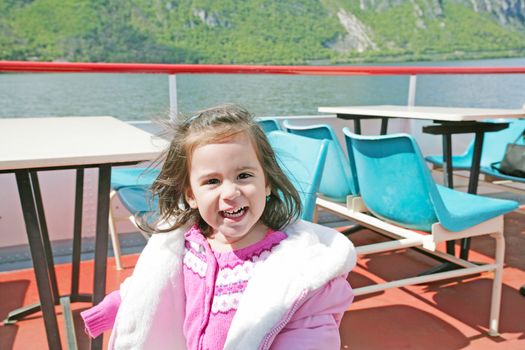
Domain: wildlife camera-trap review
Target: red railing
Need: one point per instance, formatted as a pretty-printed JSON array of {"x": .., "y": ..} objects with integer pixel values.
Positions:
[{"x": 69, "y": 67}]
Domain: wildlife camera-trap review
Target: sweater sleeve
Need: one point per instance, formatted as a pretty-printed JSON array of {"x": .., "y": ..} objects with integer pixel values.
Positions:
[
  {"x": 315, "y": 324},
  {"x": 101, "y": 317}
]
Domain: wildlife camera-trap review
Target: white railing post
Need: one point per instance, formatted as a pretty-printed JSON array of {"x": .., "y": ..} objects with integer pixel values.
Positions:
[
  {"x": 173, "y": 95},
  {"x": 406, "y": 125},
  {"x": 412, "y": 91}
]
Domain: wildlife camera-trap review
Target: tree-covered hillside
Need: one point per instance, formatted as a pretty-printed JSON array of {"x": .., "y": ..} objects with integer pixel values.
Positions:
[{"x": 252, "y": 31}]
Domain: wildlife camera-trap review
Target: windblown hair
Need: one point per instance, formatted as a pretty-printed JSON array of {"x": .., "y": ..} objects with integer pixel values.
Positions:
[{"x": 217, "y": 124}]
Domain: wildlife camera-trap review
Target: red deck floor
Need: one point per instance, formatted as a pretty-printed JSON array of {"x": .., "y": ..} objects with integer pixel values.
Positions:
[{"x": 450, "y": 314}]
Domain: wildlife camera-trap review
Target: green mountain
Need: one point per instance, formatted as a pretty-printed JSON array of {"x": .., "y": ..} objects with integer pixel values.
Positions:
[{"x": 252, "y": 31}]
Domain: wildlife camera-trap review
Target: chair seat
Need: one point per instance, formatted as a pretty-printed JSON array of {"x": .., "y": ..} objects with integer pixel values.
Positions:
[
  {"x": 459, "y": 162},
  {"x": 137, "y": 199},
  {"x": 121, "y": 177},
  {"x": 467, "y": 210},
  {"x": 495, "y": 173}
]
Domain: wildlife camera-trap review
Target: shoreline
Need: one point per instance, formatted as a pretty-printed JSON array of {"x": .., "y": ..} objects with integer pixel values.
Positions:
[
  {"x": 352, "y": 58},
  {"x": 407, "y": 58}
]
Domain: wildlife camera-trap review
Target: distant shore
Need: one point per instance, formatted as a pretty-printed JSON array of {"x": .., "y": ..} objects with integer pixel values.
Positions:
[
  {"x": 372, "y": 58},
  {"x": 423, "y": 57}
]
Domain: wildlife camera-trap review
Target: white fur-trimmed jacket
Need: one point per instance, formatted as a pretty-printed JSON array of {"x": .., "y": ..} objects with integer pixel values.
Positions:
[{"x": 303, "y": 265}]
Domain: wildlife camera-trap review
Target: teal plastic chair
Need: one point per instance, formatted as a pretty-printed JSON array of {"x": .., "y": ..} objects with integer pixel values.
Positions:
[
  {"x": 493, "y": 173},
  {"x": 302, "y": 160},
  {"x": 338, "y": 181},
  {"x": 269, "y": 124},
  {"x": 122, "y": 178},
  {"x": 494, "y": 144},
  {"x": 396, "y": 186},
  {"x": 137, "y": 199}
]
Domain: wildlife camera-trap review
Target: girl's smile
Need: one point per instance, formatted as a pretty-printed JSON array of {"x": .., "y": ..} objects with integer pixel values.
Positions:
[
  {"x": 234, "y": 213},
  {"x": 229, "y": 188}
]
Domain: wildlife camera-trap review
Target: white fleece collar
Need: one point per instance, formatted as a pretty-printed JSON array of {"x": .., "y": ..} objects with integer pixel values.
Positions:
[
  {"x": 311, "y": 256},
  {"x": 151, "y": 314}
]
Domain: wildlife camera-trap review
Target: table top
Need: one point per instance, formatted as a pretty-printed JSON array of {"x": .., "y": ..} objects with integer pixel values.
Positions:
[
  {"x": 429, "y": 113},
  {"x": 31, "y": 143}
]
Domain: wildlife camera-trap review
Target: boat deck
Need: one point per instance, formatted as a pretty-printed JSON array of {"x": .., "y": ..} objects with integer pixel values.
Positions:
[{"x": 450, "y": 314}]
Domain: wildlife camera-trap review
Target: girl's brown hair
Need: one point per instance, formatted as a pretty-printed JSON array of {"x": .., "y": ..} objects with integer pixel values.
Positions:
[{"x": 214, "y": 125}]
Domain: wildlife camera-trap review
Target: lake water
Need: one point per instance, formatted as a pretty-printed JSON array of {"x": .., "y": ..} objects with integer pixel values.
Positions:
[{"x": 145, "y": 96}]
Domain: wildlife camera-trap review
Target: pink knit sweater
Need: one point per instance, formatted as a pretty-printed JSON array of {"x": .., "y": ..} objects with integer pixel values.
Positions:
[{"x": 214, "y": 283}]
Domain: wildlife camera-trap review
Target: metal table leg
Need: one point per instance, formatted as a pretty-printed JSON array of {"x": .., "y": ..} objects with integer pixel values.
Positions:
[
  {"x": 384, "y": 126},
  {"x": 357, "y": 126},
  {"x": 77, "y": 233},
  {"x": 77, "y": 241},
  {"x": 448, "y": 179},
  {"x": 20, "y": 313},
  {"x": 473, "y": 185},
  {"x": 40, "y": 260},
  {"x": 101, "y": 243}
]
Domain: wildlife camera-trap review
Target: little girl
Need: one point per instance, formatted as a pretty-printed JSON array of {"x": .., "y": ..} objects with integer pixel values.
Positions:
[{"x": 230, "y": 266}]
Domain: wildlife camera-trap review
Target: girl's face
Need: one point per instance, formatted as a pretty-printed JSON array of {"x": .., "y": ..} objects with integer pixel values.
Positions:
[{"x": 228, "y": 187}]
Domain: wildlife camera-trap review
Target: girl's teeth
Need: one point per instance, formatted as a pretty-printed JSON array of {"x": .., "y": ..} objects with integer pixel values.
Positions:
[{"x": 233, "y": 213}]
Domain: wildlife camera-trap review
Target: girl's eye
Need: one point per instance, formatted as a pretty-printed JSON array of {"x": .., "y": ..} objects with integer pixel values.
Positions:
[
  {"x": 211, "y": 182},
  {"x": 244, "y": 175}
]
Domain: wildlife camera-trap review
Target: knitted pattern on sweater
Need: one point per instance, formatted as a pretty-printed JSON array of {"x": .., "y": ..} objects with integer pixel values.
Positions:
[{"x": 214, "y": 284}]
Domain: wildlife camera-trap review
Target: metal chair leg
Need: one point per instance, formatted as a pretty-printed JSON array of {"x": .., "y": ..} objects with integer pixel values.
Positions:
[
  {"x": 114, "y": 235},
  {"x": 495, "y": 304}
]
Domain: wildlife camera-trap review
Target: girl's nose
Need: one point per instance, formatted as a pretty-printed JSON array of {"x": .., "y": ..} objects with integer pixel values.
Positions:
[{"x": 230, "y": 190}]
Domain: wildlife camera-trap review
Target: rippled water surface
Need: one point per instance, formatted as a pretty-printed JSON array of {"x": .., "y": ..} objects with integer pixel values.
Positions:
[{"x": 145, "y": 96}]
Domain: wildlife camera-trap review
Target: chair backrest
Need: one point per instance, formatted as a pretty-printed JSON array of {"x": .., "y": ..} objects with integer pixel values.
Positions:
[
  {"x": 137, "y": 199},
  {"x": 495, "y": 143},
  {"x": 394, "y": 181},
  {"x": 302, "y": 160},
  {"x": 269, "y": 124},
  {"x": 122, "y": 177},
  {"x": 338, "y": 180}
]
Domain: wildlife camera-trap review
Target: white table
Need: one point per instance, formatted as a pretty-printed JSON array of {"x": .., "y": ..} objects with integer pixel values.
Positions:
[
  {"x": 450, "y": 114},
  {"x": 449, "y": 121},
  {"x": 29, "y": 145}
]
